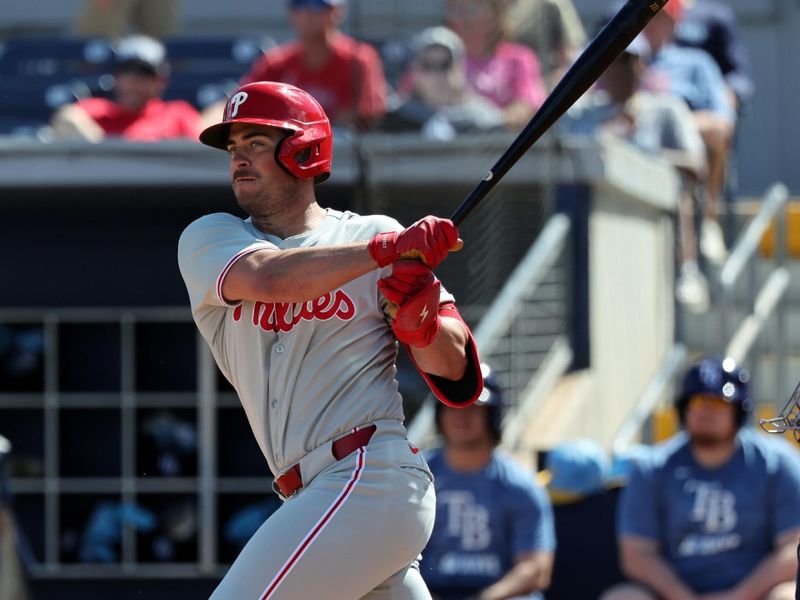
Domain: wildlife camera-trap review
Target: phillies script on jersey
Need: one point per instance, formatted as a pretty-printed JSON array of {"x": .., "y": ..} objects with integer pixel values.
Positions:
[{"x": 283, "y": 316}]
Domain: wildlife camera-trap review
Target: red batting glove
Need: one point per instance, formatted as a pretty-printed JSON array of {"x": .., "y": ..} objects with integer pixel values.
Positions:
[
  {"x": 429, "y": 240},
  {"x": 413, "y": 292}
]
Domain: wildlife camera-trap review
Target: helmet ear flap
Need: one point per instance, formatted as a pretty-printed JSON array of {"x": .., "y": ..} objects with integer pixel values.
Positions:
[
  {"x": 279, "y": 155},
  {"x": 308, "y": 152}
]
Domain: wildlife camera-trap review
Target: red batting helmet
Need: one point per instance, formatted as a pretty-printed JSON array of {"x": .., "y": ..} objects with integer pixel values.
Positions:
[{"x": 307, "y": 150}]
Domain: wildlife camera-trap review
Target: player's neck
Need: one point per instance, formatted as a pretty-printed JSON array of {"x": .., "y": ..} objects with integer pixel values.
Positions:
[
  {"x": 467, "y": 459},
  {"x": 301, "y": 219},
  {"x": 713, "y": 456}
]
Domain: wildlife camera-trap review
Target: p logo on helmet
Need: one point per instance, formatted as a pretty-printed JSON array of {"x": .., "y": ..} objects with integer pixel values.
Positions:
[{"x": 234, "y": 103}]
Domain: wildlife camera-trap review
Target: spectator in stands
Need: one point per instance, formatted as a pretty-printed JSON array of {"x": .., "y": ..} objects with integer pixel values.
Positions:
[
  {"x": 441, "y": 104},
  {"x": 493, "y": 536},
  {"x": 137, "y": 113},
  {"x": 660, "y": 124},
  {"x": 116, "y": 19},
  {"x": 344, "y": 75},
  {"x": 711, "y": 26},
  {"x": 506, "y": 73},
  {"x": 693, "y": 75},
  {"x": 713, "y": 512},
  {"x": 552, "y": 28}
]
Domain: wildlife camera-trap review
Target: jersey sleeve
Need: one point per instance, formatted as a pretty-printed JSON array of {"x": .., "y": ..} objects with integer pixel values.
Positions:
[
  {"x": 532, "y": 523},
  {"x": 188, "y": 121},
  {"x": 371, "y": 85},
  {"x": 207, "y": 249},
  {"x": 637, "y": 513},
  {"x": 527, "y": 83},
  {"x": 711, "y": 79}
]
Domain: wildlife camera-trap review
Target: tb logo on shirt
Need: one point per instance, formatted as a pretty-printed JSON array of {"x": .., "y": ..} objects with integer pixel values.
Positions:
[
  {"x": 713, "y": 506},
  {"x": 466, "y": 519}
]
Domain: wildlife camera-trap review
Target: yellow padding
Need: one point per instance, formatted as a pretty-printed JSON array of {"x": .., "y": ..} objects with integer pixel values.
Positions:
[
  {"x": 665, "y": 424},
  {"x": 767, "y": 246}
]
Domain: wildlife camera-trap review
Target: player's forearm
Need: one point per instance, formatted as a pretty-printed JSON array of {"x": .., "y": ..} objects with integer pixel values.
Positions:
[
  {"x": 775, "y": 568},
  {"x": 71, "y": 121},
  {"x": 527, "y": 576},
  {"x": 446, "y": 356},
  {"x": 296, "y": 275},
  {"x": 649, "y": 568}
]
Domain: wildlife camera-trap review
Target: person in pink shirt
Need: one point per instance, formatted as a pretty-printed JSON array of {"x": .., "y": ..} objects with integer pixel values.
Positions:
[
  {"x": 344, "y": 75},
  {"x": 137, "y": 113},
  {"x": 504, "y": 72}
]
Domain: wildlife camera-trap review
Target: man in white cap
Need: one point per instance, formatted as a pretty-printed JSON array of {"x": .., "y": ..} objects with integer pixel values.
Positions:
[{"x": 137, "y": 112}]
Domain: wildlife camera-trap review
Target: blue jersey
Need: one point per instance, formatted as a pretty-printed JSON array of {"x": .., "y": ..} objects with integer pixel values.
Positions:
[
  {"x": 711, "y": 26},
  {"x": 694, "y": 76},
  {"x": 714, "y": 526},
  {"x": 484, "y": 520}
]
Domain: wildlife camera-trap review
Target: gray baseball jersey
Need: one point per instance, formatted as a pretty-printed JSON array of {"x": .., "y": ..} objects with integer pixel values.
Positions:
[
  {"x": 305, "y": 372},
  {"x": 308, "y": 373}
]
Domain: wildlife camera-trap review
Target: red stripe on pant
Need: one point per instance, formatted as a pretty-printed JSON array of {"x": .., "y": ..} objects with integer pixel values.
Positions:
[{"x": 317, "y": 529}]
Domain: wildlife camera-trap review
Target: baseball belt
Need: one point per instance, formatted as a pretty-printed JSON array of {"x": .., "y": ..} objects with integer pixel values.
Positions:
[{"x": 290, "y": 482}]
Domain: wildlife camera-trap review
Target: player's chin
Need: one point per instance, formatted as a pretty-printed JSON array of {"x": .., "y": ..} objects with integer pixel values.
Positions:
[
  {"x": 245, "y": 187},
  {"x": 246, "y": 195}
]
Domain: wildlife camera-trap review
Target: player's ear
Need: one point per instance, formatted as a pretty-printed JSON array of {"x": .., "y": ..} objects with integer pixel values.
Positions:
[{"x": 161, "y": 85}]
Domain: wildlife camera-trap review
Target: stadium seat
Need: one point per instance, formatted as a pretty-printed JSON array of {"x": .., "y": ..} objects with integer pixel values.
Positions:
[
  {"x": 199, "y": 91},
  {"x": 38, "y": 99},
  {"x": 54, "y": 57},
  {"x": 395, "y": 53},
  {"x": 214, "y": 56},
  {"x": 21, "y": 127}
]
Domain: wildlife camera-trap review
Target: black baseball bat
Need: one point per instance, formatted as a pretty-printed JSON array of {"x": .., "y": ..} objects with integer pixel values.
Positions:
[{"x": 587, "y": 68}]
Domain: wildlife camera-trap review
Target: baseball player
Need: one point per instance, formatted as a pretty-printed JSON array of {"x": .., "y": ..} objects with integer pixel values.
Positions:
[
  {"x": 494, "y": 536},
  {"x": 713, "y": 512},
  {"x": 303, "y": 308}
]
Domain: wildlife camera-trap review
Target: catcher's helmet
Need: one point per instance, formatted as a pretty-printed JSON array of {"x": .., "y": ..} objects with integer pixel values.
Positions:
[
  {"x": 789, "y": 419},
  {"x": 307, "y": 150},
  {"x": 721, "y": 378},
  {"x": 491, "y": 397}
]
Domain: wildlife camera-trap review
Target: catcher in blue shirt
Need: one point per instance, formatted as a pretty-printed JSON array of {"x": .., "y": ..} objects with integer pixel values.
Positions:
[
  {"x": 715, "y": 511},
  {"x": 494, "y": 535}
]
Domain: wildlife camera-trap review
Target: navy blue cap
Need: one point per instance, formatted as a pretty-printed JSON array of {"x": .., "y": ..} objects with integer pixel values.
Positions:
[{"x": 316, "y": 3}]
